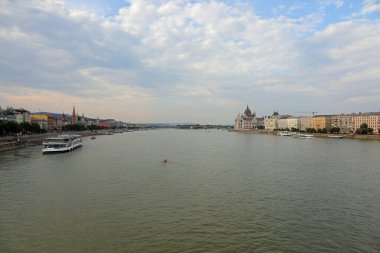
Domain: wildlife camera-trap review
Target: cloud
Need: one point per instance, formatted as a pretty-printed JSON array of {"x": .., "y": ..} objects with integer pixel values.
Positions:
[
  {"x": 149, "y": 55},
  {"x": 370, "y": 6},
  {"x": 336, "y": 3}
]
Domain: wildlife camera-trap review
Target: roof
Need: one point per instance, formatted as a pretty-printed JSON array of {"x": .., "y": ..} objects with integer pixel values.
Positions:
[{"x": 247, "y": 111}]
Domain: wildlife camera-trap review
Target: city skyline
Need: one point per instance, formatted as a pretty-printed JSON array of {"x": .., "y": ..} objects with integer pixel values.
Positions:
[{"x": 190, "y": 61}]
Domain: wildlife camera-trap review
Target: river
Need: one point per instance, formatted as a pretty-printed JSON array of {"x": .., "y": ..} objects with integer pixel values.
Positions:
[{"x": 219, "y": 192}]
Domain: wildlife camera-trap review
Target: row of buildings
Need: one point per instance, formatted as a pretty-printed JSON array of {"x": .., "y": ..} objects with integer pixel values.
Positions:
[
  {"x": 347, "y": 123},
  {"x": 54, "y": 121}
]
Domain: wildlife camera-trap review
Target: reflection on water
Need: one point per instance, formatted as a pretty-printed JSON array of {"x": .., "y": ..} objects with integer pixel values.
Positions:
[{"x": 219, "y": 192}]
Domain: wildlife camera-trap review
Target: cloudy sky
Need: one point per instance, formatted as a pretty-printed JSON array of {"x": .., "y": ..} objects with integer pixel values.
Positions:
[{"x": 190, "y": 60}]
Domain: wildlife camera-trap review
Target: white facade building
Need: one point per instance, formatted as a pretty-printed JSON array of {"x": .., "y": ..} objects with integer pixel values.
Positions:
[
  {"x": 294, "y": 122},
  {"x": 271, "y": 122},
  {"x": 282, "y": 123},
  {"x": 288, "y": 122},
  {"x": 22, "y": 115}
]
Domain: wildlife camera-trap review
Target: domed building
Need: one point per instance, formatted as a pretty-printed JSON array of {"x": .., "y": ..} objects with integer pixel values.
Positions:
[{"x": 246, "y": 121}]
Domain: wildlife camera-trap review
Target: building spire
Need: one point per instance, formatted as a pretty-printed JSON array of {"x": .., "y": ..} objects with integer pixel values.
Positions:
[{"x": 74, "y": 118}]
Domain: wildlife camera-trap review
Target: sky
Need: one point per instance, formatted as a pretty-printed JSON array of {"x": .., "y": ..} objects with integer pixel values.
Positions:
[{"x": 190, "y": 60}]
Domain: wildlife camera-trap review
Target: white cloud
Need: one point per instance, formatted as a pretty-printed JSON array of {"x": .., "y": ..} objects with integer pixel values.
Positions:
[
  {"x": 370, "y": 6},
  {"x": 336, "y": 3},
  {"x": 202, "y": 51}
]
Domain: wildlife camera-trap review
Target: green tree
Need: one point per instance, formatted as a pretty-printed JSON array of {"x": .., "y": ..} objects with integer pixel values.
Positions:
[
  {"x": 364, "y": 129},
  {"x": 94, "y": 127},
  {"x": 35, "y": 128},
  {"x": 12, "y": 128},
  {"x": 2, "y": 128},
  {"x": 311, "y": 130},
  {"x": 335, "y": 130},
  {"x": 26, "y": 127},
  {"x": 74, "y": 127}
]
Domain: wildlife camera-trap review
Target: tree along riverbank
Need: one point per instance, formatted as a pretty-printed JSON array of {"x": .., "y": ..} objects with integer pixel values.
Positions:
[
  {"x": 14, "y": 142},
  {"x": 319, "y": 135}
]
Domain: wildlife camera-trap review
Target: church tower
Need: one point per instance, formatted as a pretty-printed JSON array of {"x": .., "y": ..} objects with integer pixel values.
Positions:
[
  {"x": 63, "y": 118},
  {"x": 74, "y": 118}
]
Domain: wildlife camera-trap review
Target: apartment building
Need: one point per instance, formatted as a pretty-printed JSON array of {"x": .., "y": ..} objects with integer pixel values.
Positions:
[
  {"x": 343, "y": 121},
  {"x": 371, "y": 119},
  {"x": 305, "y": 122},
  {"x": 321, "y": 122}
]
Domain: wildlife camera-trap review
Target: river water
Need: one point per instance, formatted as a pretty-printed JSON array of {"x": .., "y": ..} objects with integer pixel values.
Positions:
[{"x": 219, "y": 192}]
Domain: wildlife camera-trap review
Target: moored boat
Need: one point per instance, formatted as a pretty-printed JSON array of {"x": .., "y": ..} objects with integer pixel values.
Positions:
[
  {"x": 62, "y": 143},
  {"x": 335, "y": 136},
  {"x": 303, "y": 136},
  {"x": 283, "y": 133}
]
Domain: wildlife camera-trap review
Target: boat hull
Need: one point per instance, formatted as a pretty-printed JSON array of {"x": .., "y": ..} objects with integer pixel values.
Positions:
[
  {"x": 304, "y": 136},
  {"x": 61, "y": 150},
  {"x": 335, "y": 136},
  {"x": 284, "y": 133}
]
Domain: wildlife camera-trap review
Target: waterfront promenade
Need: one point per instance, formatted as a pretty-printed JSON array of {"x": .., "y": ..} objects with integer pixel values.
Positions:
[{"x": 319, "y": 135}]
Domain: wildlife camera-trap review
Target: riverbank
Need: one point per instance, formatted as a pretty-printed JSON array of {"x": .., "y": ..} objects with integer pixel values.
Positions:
[
  {"x": 374, "y": 137},
  {"x": 15, "y": 142}
]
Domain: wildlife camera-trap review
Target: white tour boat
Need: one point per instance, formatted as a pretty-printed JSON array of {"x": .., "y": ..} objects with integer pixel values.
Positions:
[{"x": 62, "y": 143}]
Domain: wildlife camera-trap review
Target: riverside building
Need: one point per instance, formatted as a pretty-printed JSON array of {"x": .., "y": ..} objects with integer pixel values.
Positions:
[
  {"x": 282, "y": 122},
  {"x": 260, "y": 123},
  {"x": 271, "y": 122},
  {"x": 294, "y": 122},
  {"x": 288, "y": 122},
  {"x": 22, "y": 115},
  {"x": 321, "y": 122},
  {"x": 342, "y": 121},
  {"x": 371, "y": 119},
  {"x": 45, "y": 121},
  {"x": 246, "y": 121},
  {"x": 305, "y": 123}
]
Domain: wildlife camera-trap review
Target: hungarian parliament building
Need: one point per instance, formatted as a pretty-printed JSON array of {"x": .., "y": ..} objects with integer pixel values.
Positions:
[{"x": 246, "y": 121}]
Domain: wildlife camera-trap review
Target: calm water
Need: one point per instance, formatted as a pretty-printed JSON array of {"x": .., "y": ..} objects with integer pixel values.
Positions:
[{"x": 220, "y": 192}]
